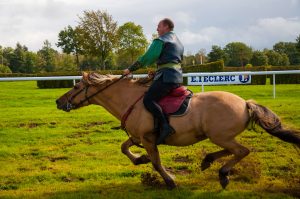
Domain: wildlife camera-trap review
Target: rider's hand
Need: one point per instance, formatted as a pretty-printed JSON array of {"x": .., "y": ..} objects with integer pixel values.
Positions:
[{"x": 126, "y": 71}]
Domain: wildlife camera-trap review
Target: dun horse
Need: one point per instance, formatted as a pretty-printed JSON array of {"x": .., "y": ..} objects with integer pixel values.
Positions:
[{"x": 218, "y": 116}]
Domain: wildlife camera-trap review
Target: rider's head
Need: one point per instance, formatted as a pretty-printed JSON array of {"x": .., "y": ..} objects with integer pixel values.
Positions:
[{"x": 164, "y": 26}]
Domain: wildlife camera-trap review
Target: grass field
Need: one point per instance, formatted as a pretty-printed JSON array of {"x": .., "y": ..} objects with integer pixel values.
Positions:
[{"x": 47, "y": 153}]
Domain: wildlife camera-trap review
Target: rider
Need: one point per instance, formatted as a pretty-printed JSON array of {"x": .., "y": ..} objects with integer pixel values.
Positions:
[{"x": 167, "y": 52}]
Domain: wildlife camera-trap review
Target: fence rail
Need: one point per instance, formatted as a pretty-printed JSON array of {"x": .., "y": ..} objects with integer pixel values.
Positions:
[{"x": 274, "y": 73}]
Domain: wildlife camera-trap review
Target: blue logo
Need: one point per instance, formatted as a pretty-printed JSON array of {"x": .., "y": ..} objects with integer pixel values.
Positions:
[{"x": 244, "y": 78}]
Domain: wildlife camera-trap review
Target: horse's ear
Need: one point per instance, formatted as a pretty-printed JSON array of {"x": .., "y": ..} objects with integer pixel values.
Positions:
[{"x": 85, "y": 76}]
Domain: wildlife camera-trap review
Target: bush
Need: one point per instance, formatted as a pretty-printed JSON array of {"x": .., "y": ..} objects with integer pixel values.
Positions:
[
  {"x": 285, "y": 79},
  {"x": 4, "y": 69},
  {"x": 216, "y": 66}
]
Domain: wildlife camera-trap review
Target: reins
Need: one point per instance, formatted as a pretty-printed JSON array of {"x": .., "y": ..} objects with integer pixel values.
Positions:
[{"x": 124, "y": 117}]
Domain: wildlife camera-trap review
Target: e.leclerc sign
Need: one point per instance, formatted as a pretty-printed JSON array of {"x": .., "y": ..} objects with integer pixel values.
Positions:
[{"x": 219, "y": 79}]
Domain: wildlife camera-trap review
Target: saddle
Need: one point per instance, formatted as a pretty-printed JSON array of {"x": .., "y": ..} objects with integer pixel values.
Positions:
[{"x": 177, "y": 102}]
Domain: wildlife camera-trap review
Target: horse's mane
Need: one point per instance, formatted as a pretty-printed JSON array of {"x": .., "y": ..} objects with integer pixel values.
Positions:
[{"x": 94, "y": 78}]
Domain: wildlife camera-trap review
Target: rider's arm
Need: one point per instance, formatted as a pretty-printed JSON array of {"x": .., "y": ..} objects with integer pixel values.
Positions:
[{"x": 150, "y": 57}]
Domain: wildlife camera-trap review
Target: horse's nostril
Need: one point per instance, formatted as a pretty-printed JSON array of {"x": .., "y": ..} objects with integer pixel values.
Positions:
[{"x": 57, "y": 101}]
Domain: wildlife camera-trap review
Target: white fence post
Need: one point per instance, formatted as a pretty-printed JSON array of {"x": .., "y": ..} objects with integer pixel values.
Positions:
[{"x": 274, "y": 87}]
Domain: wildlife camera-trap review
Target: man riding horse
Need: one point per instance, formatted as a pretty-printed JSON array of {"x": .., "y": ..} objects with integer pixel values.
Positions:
[{"x": 167, "y": 52}]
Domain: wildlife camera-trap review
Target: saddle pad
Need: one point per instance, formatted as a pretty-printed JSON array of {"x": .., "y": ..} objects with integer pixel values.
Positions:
[{"x": 174, "y": 102}]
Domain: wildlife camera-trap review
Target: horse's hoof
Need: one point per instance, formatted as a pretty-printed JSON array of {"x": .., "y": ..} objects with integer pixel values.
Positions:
[
  {"x": 171, "y": 184},
  {"x": 224, "y": 181},
  {"x": 142, "y": 160}
]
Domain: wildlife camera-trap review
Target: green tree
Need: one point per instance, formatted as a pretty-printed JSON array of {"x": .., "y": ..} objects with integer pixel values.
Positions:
[
  {"x": 298, "y": 43},
  {"x": 290, "y": 49},
  {"x": 259, "y": 59},
  {"x": 17, "y": 59},
  {"x": 4, "y": 69},
  {"x": 98, "y": 31},
  {"x": 217, "y": 53},
  {"x": 131, "y": 43},
  {"x": 239, "y": 54},
  {"x": 47, "y": 53},
  {"x": 69, "y": 40},
  {"x": 276, "y": 59},
  {"x": 65, "y": 62},
  {"x": 31, "y": 60}
]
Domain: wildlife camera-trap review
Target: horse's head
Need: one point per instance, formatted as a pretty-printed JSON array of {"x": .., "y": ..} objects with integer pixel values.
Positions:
[{"x": 80, "y": 95}]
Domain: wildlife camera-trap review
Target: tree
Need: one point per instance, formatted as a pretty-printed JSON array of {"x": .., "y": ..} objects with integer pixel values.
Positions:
[
  {"x": 69, "y": 41},
  {"x": 17, "y": 59},
  {"x": 216, "y": 54},
  {"x": 298, "y": 43},
  {"x": 98, "y": 32},
  {"x": 239, "y": 54},
  {"x": 47, "y": 53},
  {"x": 276, "y": 59},
  {"x": 4, "y": 69},
  {"x": 290, "y": 49},
  {"x": 132, "y": 42},
  {"x": 259, "y": 59}
]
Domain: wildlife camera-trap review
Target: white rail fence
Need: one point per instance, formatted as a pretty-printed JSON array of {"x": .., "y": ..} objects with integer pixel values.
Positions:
[{"x": 274, "y": 73}]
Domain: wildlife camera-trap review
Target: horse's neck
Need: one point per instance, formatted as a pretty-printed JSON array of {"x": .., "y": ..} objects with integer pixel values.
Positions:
[{"x": 118, "y": 98}]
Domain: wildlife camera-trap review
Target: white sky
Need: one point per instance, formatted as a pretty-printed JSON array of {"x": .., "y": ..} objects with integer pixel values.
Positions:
[{"x": 198, "y": 23}]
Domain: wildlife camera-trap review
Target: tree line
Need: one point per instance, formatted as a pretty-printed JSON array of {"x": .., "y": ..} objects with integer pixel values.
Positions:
[{"x": 98, "y": 43}]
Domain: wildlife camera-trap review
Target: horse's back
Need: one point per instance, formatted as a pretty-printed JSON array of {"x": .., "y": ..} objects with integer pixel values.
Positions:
[{"x": 222, "y": 111}]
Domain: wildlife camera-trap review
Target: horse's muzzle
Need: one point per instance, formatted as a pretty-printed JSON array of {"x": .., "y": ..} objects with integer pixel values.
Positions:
[{"x": 64, "y": 106}]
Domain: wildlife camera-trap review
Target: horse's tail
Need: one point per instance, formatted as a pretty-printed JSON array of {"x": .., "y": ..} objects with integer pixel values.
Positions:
[{"x": 270, "y": 122}]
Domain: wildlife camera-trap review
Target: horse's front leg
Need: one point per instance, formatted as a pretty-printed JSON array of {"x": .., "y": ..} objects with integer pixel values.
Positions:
[
  {"x": 136, "y": 160},
  {"x": 151, "y": 148}
]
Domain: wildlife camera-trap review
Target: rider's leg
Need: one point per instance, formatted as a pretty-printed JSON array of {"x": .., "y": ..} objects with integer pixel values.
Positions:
[{"x": 156, "y": 91}]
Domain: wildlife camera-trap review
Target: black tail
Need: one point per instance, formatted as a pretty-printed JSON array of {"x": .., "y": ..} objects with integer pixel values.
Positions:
[{"x": 270, "y": 122}]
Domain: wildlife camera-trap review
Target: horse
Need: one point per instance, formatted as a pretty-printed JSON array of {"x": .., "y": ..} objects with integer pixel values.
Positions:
[{"x": 218, "y": 116}]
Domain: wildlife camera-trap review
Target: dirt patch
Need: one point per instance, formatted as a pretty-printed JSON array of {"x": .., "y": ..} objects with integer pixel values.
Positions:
[
  {"x": 72, "y": 179},
  {"x": 149, "y": 179},
  {"x": 248, "y": 170},
  {"x": 54, "y": 159},
  {"x": 179, "y": 170},
  {"x": 79, "y": 134},
  {"x": 30, "y": 125},
  {"x": 179, "y": 158},
  {"x": 91, "y": 124}
]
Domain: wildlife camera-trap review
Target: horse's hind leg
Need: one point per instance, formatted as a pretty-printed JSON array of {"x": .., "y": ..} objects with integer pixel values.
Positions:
[
  {"x": 136, "y": 160},
  {"x": 153, "y": 153},
  {"x": 211, "y": 157},
  {"x": 239, "y": 153}
]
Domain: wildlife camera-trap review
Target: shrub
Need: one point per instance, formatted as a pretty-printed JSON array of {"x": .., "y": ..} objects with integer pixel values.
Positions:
[{"x": 4, "y": 69}]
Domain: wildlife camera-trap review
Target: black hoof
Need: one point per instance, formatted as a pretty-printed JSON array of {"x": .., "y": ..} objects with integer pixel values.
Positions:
[
  {"x": 142, "y": 160},
  {"x": 170, "y": 184},
  {"x": 224, "y": 180}
]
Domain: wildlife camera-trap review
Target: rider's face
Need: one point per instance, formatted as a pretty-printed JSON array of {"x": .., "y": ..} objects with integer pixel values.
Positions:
[{"x": 162, "y": 28}]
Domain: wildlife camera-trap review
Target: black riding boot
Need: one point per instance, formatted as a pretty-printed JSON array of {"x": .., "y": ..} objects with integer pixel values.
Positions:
[{"x": 165, "y": 128}]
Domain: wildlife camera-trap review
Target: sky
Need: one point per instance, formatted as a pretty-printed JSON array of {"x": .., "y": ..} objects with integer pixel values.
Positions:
[{"x": 199, "y": 24}]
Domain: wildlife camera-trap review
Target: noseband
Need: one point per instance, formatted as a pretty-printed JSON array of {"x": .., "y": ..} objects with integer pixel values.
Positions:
[{"x": 87, "y": 98}]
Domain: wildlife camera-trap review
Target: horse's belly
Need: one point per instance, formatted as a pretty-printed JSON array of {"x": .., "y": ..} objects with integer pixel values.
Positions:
[{"x": 184, "y": 139}]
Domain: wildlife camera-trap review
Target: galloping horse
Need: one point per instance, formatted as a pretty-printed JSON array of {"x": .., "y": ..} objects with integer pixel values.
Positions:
[{"x": 218, "y": 116}]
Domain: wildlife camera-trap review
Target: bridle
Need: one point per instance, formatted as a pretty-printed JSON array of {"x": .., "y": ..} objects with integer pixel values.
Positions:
[{"x": 87, "y": 98}]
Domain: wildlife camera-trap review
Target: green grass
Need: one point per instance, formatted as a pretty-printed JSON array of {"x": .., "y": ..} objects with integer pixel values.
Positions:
[{"x": 47, "y": 153}]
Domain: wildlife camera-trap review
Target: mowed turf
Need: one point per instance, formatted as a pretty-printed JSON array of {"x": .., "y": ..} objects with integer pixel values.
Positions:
[{"x": 47, "y": 153}]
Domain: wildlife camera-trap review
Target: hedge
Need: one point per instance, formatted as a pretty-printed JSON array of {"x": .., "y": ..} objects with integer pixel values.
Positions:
[
  {"x": 285, "y": 79},
  {"x": 217, "y": 66}
]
